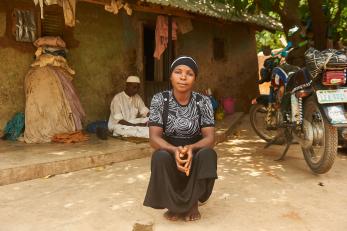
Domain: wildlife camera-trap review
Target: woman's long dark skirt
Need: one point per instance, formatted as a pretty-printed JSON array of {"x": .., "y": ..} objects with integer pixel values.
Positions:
[{"x": 172, "y": 189}]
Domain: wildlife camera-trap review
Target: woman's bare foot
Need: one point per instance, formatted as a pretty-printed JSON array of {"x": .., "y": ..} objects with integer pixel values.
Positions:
[
  {"x": 193, "y": 214},
  {"x": 171, "y": 216}
]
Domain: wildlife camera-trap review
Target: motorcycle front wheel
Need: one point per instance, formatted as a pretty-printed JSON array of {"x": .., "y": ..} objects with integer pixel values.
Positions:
[
  {"x": 257, "y": 116},
  {"x": 320, "y": 154}
]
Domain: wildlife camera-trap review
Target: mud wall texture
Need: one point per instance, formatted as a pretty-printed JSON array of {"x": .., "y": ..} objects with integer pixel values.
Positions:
[
  {"x": 107, "y": 48},
  {"x": 105, "y": 56},
  {"x": 13, "y": 66},
  {"x": 235, "y": 75}
]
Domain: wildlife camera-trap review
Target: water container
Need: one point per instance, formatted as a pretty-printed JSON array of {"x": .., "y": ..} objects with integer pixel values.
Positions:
[{"x": 228, "y": 105}]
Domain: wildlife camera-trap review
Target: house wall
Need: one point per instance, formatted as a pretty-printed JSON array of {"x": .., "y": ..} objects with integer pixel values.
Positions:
[
  {"x": 235, "y": 75},
  {"x": 104, "y": 53},
  {"x": 105, "y": 56},
  {"x": 107, "y": 48},
  {"x": 14, "y": 64}
]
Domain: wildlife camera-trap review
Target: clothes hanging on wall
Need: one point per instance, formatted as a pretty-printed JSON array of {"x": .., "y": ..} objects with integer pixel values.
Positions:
[
  {"x": 47, "y": 2},
  {"x": 161, "y": 35},
  {"x": 128, "y": 9},
  {"x": 69, "y": 8},
  {"x": 51, "y": 2},
  {"x": 115, "y": 6},
  {"x": 40, "y": 2}
]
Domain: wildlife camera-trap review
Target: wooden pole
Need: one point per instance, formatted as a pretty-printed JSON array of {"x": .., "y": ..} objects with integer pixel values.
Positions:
[{"x": 169, "y": 46}]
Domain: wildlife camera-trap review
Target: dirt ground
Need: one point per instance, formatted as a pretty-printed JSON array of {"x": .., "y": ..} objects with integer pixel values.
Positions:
[{"x": 253, "y": 192}]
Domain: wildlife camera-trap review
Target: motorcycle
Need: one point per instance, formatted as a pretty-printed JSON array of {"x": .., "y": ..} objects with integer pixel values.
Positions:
[{"x": 305, "y": 105}]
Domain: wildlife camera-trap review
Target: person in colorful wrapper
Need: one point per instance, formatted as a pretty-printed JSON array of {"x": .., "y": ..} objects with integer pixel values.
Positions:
[
  {"x": 181, "y": 130},
  {"x": 128, "y": 116}
]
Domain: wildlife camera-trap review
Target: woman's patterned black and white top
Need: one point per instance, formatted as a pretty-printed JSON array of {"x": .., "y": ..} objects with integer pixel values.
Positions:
[{"x": 182, "y": 120}]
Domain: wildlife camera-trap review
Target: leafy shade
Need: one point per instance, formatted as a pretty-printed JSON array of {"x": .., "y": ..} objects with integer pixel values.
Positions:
[
  {"x": 265, "y": 38},
  {"x": 329, "y": 17}
]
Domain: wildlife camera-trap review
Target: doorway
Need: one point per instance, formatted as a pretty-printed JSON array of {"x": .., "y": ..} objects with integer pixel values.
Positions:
[
  {"x": 148, "y": 50},
  {"x": 155, "y": 71}
]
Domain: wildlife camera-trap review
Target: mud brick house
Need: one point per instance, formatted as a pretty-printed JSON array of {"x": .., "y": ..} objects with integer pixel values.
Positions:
[{"x": 105, "y": 47}]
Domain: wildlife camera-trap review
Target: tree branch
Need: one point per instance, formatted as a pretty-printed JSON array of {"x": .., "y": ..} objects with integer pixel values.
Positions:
[
  {"x": 319, "y": 23},
  {"x": 277, "y": 7}
]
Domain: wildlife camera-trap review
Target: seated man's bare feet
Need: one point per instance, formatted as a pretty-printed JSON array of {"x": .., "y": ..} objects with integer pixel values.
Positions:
[
  {"x": 193, "y": 214},
  {"x": 171, "y": 216}
]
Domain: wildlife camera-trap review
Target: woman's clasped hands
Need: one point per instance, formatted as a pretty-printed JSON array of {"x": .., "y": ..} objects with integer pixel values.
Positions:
[{"x": 184, "y": 159}]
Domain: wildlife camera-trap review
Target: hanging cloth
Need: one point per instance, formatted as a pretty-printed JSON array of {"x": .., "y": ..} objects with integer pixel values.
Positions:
[
  {"x": 40, "y": 2},
  {"x": 48, "y": 2},
  {"x": 69, "y": 8},
  {"x": 161, "y": 35},
  {"x": 114, "y": 6}
]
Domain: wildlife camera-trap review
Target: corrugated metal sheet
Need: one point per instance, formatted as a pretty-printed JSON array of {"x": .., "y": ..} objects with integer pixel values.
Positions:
[{"x": 217, "y": 10}]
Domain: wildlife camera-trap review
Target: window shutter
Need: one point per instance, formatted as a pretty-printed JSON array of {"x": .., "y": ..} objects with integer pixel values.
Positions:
[{"x": 53, "y": 21}]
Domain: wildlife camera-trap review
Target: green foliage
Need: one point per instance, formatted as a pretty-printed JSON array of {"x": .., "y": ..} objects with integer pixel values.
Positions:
[
  {"x": 240, "y": 6},
  {"x": 266, "y": 38},
  {"x": 336, "y": 12},
  {"x": 266, "y": 5},
  {"x": 342, "y": 25}
]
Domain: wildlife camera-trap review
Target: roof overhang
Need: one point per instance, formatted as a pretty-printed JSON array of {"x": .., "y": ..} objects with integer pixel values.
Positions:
[
  {"x": 200, "y": 9},
  {"x": 219, "y": 12}
]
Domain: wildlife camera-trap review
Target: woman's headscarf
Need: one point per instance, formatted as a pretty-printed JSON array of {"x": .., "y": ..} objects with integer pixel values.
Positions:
[{"x": 185, "y": 60}]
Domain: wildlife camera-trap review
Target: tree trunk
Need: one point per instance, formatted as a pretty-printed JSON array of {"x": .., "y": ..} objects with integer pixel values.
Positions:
[
  {"x": 290, "y": 15},
  {"x": 319, "y": 24}
]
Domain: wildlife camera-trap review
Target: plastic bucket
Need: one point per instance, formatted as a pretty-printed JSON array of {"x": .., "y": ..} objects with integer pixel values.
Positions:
[{"x": 228, "y": 105}]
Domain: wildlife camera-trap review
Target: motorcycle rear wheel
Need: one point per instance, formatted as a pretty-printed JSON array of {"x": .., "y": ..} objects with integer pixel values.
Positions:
[
  {"x": 320, "y": 156},
  {"x": 257, "y": 116}
]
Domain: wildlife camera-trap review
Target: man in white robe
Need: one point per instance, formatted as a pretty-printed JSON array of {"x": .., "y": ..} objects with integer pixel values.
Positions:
[{"x": 129, "y": 115}]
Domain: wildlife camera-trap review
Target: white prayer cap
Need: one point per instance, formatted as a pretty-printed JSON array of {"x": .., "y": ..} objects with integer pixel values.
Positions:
[{"x": 133, "y": 79}]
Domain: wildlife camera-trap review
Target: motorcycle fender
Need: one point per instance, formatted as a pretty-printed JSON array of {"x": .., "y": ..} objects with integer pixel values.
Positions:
[
  {"x": 262, "y": 99},
  {"x": 334, "y": 113}
]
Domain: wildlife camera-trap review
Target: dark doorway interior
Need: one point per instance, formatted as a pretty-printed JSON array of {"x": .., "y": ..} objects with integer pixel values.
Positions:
[
  {"x": 149, "y": 42},
  {"x": 155, "y": 71}
]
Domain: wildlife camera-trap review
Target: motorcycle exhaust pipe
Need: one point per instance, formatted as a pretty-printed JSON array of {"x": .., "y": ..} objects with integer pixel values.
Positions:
[{"x": 305, "y": 139}]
